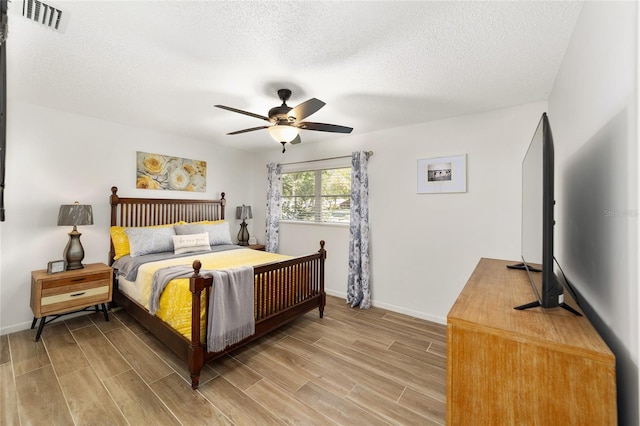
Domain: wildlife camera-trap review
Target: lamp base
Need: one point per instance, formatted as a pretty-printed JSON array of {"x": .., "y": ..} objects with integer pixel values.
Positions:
[
  {"x": 74, "y": 265},
  {"x": 73, "y": 252},
  {"x": 243, "y": 235}
]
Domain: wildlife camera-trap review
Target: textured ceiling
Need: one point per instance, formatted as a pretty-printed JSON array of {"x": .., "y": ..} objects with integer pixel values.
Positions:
[{"x": 377, "y": 65}]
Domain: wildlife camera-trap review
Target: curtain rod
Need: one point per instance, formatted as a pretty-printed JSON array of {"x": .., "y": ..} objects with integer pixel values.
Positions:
[{"x": 369, "y": 154}]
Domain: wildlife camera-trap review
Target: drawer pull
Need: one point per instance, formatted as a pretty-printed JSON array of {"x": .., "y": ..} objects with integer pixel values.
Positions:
[
  {"x": 78, "y": 294},
  {"x": 75, "y": 280}
]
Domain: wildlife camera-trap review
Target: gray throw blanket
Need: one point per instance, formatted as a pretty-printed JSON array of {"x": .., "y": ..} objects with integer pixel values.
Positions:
[
  {"x": 231, "y": 304},
  {"x": 231, "y": 312}
]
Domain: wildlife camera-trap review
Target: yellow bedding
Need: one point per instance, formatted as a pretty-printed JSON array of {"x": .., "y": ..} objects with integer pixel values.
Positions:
[{"x": 175, "y": 301}]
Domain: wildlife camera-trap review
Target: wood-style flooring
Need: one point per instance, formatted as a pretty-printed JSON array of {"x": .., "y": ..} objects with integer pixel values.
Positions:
[{"x": 353, "y": 366}]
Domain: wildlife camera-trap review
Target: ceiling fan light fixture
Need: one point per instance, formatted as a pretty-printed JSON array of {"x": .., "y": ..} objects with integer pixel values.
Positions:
[
  {"x": 283, "y": 132},
  {"x": 286, "y": 121}
]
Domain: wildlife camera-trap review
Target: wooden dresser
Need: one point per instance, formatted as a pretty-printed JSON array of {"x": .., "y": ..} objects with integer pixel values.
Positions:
[{"x": 511, "y": 367}]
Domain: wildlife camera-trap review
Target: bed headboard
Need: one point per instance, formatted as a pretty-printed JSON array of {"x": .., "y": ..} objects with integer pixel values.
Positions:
[{"x": 129, "y": 211}]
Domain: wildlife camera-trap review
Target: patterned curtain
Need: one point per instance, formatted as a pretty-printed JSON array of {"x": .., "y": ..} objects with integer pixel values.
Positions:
[
  {"x": 358, "y": 293},
  {"x": 274, "y": 193}
]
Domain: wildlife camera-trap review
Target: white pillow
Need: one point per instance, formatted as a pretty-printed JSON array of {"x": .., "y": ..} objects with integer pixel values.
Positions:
[
  {"x": 149, "y": 240},
  {"x": 191, "y": 242},
  {"x": 218, "y": 232}
]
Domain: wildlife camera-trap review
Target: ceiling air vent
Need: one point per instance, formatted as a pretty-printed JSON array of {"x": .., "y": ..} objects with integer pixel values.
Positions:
[{"x": 45, "y": 14}]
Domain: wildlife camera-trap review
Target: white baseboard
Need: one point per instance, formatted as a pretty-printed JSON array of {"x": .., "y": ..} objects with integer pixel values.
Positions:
[
  {"x": 27, "y": 325},
  {"x": 398, "y": 309},
  {"x": 15, "y": 328}
]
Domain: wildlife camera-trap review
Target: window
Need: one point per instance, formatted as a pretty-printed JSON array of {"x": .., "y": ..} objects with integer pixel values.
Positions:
[{"x": 319, "y": 195}]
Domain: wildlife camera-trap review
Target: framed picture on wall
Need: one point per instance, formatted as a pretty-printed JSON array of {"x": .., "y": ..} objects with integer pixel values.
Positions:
[
  {"x": 442, "y": 174},
  {"x": 164, "y": 172}
]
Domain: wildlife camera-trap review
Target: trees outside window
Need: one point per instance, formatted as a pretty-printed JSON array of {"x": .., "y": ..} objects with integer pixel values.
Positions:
[{"x": 317, "y": 195}]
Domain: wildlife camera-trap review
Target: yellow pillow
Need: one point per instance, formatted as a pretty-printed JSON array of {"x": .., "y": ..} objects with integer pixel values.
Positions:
[
  {"x": 205, "y": 222},
  {"x": 121, "y": 241}
]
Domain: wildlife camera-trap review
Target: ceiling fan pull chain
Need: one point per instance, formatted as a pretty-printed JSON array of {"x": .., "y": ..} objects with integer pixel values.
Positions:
[{"x": 283, "y": 144}]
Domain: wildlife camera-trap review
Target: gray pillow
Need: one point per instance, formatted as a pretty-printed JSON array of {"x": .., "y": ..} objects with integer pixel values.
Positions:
[
  {"x": 218, "y": 232},
  {"x": 150, "y": 240}
]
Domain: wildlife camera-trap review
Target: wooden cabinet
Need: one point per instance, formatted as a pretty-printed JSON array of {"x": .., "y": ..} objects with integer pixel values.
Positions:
[
  {"x": 511, "y": 367},
  {"x": 69, "y": 291},
  {"x": 256, "y": 246}
]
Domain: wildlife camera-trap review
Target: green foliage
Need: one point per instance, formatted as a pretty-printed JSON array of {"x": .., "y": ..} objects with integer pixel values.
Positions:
[
  {"x": 299, "y": 183},
  {"x": 317, "y": 196}
]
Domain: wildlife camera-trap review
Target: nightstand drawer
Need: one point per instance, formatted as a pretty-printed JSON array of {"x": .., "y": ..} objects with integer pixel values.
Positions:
[
  {"x": 90, "y": 280},
  {"x": 61, "y": 298},
  {"x": 79, "y": 295},
  {"x": 59, "y": 303}
]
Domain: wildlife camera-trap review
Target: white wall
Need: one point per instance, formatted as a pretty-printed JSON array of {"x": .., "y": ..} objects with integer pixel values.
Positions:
[
  {"x": 56, "y": 158},
  {"x": 593, "y": 114},
  {"x": 423, "y": 246}
]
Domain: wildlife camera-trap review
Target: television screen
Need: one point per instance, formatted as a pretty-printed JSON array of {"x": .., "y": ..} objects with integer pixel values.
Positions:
[
  {"x": 532, "y": 217},
  {"x": 537, "y": 216},
  {"x": 538, "y": 222}
]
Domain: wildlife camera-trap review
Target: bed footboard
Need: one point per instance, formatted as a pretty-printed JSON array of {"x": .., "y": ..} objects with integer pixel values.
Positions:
[{"x": 282, "y": 291}]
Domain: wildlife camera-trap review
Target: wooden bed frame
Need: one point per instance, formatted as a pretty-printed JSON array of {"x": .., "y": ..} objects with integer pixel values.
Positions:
[{"x": 283, "y": 290}]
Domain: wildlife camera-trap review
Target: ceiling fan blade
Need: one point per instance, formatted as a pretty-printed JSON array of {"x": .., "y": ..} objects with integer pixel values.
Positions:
[
  {"x": 296, "y": 140},
  {"x": 237, "y": 132},
  {"x": 306, "y": 108},
  {"x": 239, "y": 111},
  {"x": 308, "y": 125}
]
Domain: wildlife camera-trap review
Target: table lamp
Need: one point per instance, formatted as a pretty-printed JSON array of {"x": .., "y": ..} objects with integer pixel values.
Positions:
[
  {"x": 74, "y": 215},
  {"x": 243, "y": 212}
]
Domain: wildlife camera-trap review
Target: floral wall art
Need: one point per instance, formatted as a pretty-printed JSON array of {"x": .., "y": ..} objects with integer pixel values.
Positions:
[{"x": 155, "y": 171}]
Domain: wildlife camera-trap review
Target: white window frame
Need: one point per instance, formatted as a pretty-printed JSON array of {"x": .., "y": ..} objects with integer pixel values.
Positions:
[{"x": 317, "y": 165}]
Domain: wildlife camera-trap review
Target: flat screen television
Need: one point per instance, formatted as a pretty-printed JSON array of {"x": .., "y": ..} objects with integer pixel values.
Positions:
[{"x": 538, "y": 221}]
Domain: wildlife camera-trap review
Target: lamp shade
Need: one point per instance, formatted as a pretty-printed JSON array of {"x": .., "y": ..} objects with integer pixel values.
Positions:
[
  {"x": 283, "y": 132},
  {"x": 243, "y": 212},
  {"x": 75, "y": 215}
]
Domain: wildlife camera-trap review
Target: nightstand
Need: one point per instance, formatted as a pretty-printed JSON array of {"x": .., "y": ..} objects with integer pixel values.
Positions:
[
  {"x": 256, "y": 247},
  {"x": 70, "y": 291}
]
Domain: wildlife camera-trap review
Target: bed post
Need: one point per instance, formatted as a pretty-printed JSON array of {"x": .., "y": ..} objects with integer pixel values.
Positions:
[
  {"x": 323, "y": 295},
  {"x": 114, "y": 200},
  {"x": 223, "y": 203},
  {"x": 196, "y": 349}
]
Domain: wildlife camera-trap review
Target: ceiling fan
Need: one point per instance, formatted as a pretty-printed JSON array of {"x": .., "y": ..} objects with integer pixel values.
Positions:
[{"x": 286, "y": 120}]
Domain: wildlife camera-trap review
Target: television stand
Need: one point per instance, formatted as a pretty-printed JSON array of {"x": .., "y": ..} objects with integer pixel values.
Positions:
[
  {"x": 535, "y": 304},
  {"x": 522, "y": 267},
  {"x": 504, "y": 367}
]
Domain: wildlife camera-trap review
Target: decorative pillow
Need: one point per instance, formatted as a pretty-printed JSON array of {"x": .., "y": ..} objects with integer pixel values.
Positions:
[
  {"x": 218, "y": 232},
  {"x": 191, "y": 242},
  {"x": 150, "y": 240},
  {"x": 206, "y": 222},
  {"x": 121, "y": 241}
]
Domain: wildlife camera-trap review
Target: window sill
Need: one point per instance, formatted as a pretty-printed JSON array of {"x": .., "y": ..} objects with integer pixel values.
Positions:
[{"x": 300, "y": 222}]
